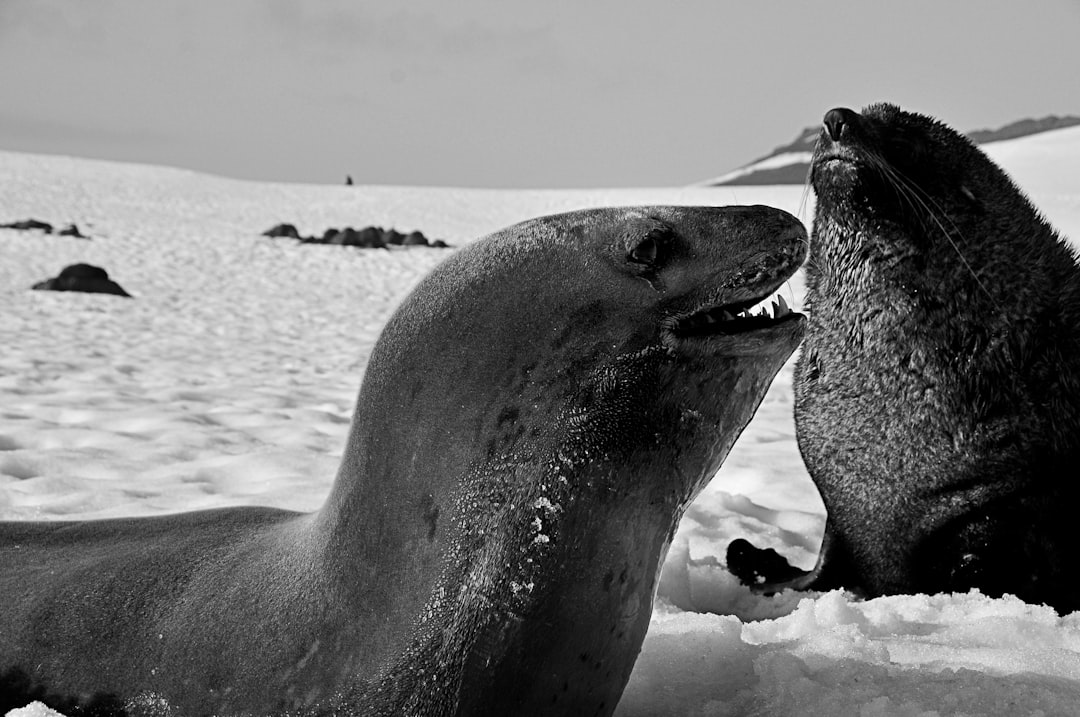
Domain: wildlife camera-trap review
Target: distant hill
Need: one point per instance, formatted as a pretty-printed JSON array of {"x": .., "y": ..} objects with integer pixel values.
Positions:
[
  {"x": 790, "y": 163},
  {"x": 1022, "y": 129}
]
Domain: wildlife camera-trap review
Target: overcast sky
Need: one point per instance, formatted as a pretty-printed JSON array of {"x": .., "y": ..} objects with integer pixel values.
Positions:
[{"x": 502, "y": 93}]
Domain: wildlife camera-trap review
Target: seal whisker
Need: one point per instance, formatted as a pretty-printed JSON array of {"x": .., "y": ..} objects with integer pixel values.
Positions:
[
  {"x": 801, "y": 213},
  {"x": 917, "y": 194},
  {"x": 918, "y": 200},
  {"x": 904, "y": 194}
]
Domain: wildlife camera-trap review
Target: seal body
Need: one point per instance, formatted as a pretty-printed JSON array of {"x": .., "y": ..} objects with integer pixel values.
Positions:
[
  {"x": 937, "y": 397},
  {"x": 533, "y": 421}
]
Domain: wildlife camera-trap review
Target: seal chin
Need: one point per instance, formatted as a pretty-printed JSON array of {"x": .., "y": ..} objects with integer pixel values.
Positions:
[{"x": 835, "y": 165}]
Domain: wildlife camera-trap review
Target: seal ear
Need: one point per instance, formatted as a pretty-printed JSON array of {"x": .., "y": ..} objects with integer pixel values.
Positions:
[{"x": 649, "y": 249}]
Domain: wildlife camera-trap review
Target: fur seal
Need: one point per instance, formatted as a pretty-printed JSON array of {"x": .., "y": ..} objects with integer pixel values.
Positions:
[
  {"x": 937, "y": 395},
  {"x": 533, "y": 420}
]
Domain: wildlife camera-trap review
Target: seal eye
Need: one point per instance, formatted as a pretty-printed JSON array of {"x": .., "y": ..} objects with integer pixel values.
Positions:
[{"x": 650, "y": 248}]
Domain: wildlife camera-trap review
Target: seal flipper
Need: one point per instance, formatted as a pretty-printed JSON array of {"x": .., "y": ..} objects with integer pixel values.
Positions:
[
  {"x": 760, "y": 568},
  {"x": 18, "y": 689},
  {"x": 767, "y": 572}
]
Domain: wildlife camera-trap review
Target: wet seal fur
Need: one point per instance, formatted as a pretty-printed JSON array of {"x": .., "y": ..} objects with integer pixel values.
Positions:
[
  {"x": 937, "y": 395},
  {"x": 533, "y": 421}
]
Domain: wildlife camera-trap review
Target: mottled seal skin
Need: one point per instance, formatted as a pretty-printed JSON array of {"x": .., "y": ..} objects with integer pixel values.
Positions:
[
  {"x": 533, "y": 421},
  {"x": 938, "y": 390}
]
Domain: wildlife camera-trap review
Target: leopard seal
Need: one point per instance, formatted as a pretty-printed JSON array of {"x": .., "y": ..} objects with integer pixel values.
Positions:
[
  {"x": 937, "y": 395},
  {"x": 532, "y": 422}
]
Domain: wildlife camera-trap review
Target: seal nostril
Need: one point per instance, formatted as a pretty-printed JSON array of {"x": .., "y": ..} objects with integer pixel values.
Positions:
[{"x": 835, "y": 120}]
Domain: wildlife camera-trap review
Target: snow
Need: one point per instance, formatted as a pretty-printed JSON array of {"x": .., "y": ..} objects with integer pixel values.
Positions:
[
  {"x": 895, "y": 656},
  {"x": 34, "y": 709},
  {"x": 1044, "y": 164},
  {"x": 230, "y": 380}
]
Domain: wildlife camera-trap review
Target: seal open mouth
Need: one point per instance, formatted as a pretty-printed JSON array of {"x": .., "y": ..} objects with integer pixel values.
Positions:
[{"x": 738, "y": 318}]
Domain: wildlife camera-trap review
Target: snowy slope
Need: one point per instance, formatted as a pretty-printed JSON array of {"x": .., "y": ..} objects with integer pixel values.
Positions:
[
  {"x": 230, "y": 380},
  {"x": 790, "y": 163}
]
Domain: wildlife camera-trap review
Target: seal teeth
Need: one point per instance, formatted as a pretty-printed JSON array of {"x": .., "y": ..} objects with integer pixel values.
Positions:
[
  {"x": 717, "y": 319},
  {"x": 782, "y": 308}
]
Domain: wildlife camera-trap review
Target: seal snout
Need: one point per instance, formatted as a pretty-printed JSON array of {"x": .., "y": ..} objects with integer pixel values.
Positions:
[
  {"x": 840, "y": 147},
  {"x": 836, "y": 121}
]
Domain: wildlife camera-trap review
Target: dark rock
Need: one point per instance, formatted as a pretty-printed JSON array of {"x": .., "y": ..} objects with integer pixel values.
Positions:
[
  {"x": 366, "y": 238},
  {"x": 287, "y": 231},
  {"x": 72, "y": 231},
  {"x": 439, "y": 244},
  {"x": 28, "y": 224},
  {"x": 82, "y": 277},
  {"x": 371, "y": 238},
  {"x": 83, "y": 271},
  {"x": 346, "y": 237}
]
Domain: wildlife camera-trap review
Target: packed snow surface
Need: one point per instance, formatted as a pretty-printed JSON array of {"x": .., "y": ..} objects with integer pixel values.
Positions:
[{"x": 230, "y": 380}]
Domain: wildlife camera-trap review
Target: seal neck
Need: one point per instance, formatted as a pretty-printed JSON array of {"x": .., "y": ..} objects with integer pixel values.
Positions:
[
  {"x": 530, "y": 621},
  {"x": 431, "y": 410}
]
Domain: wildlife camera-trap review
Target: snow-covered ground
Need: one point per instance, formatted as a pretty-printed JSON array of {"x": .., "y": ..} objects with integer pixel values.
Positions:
[{"x": 230, "y": 379}]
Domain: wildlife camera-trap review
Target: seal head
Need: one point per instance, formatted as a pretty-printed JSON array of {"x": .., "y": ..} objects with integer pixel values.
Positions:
[{"x": 596, "y": 401}]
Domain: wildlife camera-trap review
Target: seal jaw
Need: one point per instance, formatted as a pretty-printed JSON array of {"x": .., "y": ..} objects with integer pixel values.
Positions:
[
  {"x": 745, "y": 328},
  {"x": 733, "y": 319}
]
